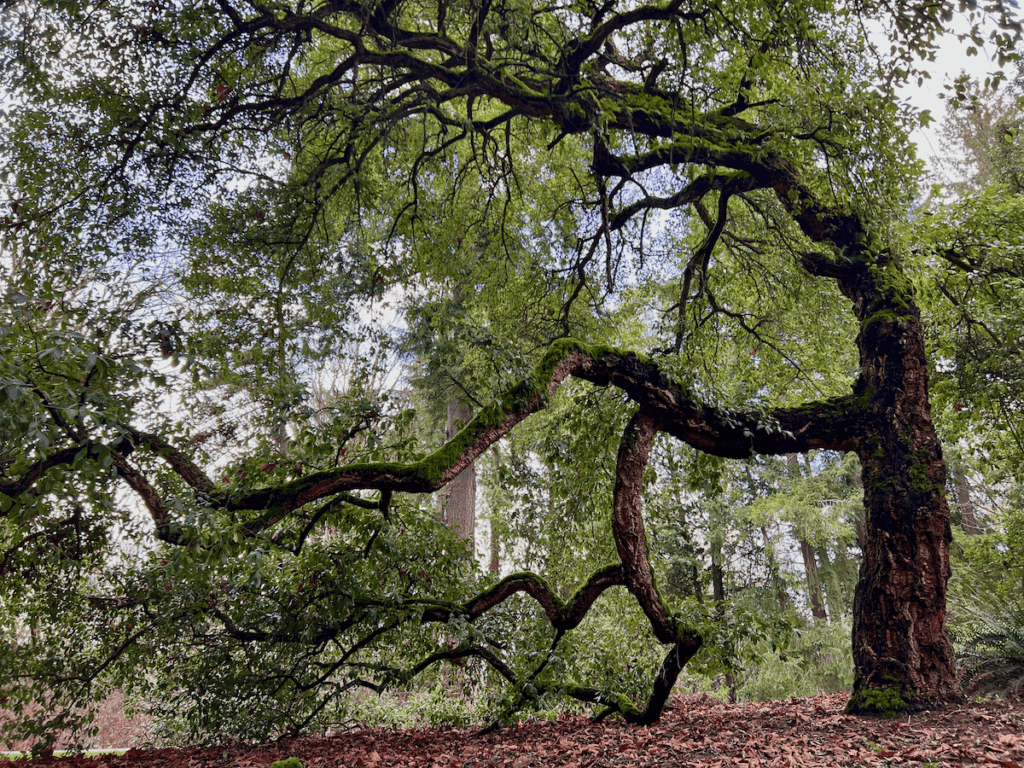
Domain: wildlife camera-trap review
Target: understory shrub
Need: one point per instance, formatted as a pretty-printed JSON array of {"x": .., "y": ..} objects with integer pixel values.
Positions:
[
  {"x": 818, "y": 659},
  {"x": 988, "y": 636}
]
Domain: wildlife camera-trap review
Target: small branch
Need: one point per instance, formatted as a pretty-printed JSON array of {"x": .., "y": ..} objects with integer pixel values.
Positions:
[
  {"x": 149, "y": 497},
  {"x": 562, "y": 615},
  {"x": 15, "y": 488},
  {"x": 182, "y": 465},
  {"x": 72, "y": 432}
]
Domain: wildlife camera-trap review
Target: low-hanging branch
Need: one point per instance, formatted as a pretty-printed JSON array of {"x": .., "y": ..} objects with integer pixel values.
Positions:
[
  {"x": 833, "y": 424},
  {"x": 634, "y": 572},
  {"x": 729, "y": 434},
  {"x": 563, "y": 614}
]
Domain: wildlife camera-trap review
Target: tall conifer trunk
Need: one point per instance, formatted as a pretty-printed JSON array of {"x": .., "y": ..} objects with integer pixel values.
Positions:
[
  {"x": 458, "y": 503},
  {"x": 968, "y": 518},
  {"x": 807, "y": 553}
]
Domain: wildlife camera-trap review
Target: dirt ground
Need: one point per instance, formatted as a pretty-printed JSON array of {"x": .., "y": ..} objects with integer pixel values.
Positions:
[
  {"x": 116, "y": 730},
  {"x": 699, "y": 732}
]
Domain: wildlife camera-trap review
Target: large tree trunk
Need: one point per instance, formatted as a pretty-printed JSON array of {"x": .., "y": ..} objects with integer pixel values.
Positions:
[{"x": 902, "y": 655}]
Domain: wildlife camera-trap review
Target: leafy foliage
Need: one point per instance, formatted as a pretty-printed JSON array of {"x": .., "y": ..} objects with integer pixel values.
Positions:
[
  {"x": 990, "y": 644},
  {"x": 263, "y": 211}
]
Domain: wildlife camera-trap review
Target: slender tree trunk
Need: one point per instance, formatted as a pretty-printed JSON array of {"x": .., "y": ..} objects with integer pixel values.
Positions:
[
  {"x": 807, "y": 554},
  {"x": 862, "y": 530},
  {"x": 862, "y": 518},
  {"x": 777, "y": 582},
  {"x": 717, "y": 574},
  {"x": 964, "y": 503},
  {"x": 718, "y": 594},
  {"x": 813, "y": 581},
  {"x": 458, "y": 502},
  {"x": 833, "y": 579},
  {"x": 494, "y": 565}
]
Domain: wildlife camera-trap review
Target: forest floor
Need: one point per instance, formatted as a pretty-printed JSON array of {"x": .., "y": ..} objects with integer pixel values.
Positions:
[{"x": 699, "y": 732}]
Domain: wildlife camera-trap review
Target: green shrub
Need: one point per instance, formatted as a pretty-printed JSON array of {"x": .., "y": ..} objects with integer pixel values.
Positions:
[{"x": 817, "y": 660}]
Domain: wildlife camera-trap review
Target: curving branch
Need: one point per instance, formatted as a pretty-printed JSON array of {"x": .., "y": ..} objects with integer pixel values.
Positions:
[
  {"x": 631, "y": 542},
  {"x": 563, "y": 615},
  {"x": 150, "y": 498},
  {"x": 15, "y": 487},
  {"x": 182, "y": 465},
  {"x": 734, "y": 183},
  {"x": 628, "y": 524},
  {"x": 729, "y": 434}
]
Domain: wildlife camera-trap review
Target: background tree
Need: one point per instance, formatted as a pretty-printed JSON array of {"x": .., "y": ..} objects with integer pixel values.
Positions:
[
  {"x": 971, "y": 246},
  {"x": 977, "y": 137}
]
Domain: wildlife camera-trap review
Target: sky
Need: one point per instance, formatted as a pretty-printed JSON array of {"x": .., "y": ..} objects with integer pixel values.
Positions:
[{"x": 950, "y": 61}]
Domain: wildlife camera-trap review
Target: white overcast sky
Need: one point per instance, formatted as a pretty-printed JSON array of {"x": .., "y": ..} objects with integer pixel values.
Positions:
[{"x": 950, "y": 61}]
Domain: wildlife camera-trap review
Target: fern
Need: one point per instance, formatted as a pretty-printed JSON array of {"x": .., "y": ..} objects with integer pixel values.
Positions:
[{"x": 989, "y": 641}]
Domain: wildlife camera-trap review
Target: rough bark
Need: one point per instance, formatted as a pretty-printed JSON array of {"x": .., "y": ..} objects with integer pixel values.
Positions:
[
  {"x": 902, "y": 654},
  {"x": 631, "y": 542},
  {"x": 628, "y": 524}
]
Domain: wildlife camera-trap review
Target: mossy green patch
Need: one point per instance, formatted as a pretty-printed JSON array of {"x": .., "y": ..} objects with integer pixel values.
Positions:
[
  {"x": 527, "y": 396},
  {"x": 894, "y": 299},
  {"x": 883, "y": 702},
  {"x": 893, "y": 283},
  {"x": 517, "y": 576},
  {"x": 920, "y": 479},
  {"x": 882, "y": 316},
  {"x": 839, "y": 406},
  {"x": 291, "y": 762}
]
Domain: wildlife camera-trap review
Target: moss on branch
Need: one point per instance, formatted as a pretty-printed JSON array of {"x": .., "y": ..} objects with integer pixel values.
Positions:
[{"x": 727, "y": 434}]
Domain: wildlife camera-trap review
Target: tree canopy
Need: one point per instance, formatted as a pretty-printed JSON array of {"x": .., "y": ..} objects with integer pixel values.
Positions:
[{"x": 231, "y": 222}]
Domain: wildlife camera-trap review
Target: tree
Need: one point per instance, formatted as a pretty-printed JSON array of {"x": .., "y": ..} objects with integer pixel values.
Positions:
[
  {"x": 971, "y": 244},
  {"x": 977, "y": 138},
  {"x": 701, "y": 174}
]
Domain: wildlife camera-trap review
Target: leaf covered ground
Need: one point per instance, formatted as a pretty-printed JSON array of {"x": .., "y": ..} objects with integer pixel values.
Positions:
[{"x": 699, "y": 732}]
